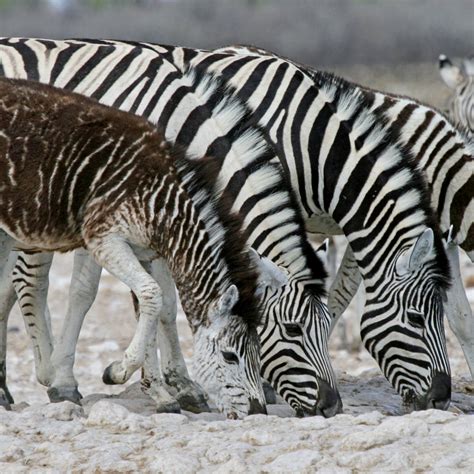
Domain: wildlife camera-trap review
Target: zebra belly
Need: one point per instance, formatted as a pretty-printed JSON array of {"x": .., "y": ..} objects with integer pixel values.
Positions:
[{"x": 43, "y": 243}]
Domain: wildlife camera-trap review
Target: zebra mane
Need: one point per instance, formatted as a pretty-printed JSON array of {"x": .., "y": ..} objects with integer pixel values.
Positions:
[
  {"x": 320, "y": 76},
  {"x": 350, "y": 100},
  {"x": 224, "y": 230},
  {"x": 259, "y": 167}
]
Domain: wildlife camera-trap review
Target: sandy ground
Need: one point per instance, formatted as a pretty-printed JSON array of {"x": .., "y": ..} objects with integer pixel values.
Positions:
[{"x": 122, "y": 434}]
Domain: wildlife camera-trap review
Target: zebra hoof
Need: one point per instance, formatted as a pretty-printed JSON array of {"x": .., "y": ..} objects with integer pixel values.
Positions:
[
  {"x": 269, "y": 392},
  {"x": 164, "y": 402},
  {"x": 192, "y": 401},
  {"x": 58, "y": 394},
  {"x": 172, "y": 407},
  {"x": 5, "y": 399},
  {"x": 6, "y": 396},
  {"x": 111, "y": 375},
  {"x": 189, "y": 394}
]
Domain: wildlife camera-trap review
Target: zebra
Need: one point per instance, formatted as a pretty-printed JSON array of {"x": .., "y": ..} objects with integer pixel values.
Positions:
[
  {"x": 301, "y": 374},
  {"x": 109, "y": 181},
  {"x": 449, "y": 169},
  {"x": 346, "y": 167},
  {"x": 352, "y": 175},
  {"x": 445, "y": 155},
  {"x": 461, "y": 81}
]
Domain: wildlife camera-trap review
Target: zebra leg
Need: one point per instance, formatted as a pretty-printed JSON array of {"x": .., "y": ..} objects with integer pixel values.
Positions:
[
  {"x": 82, "y": 292},
  {"x": 7, "y": 300},
  {"x": 30, "y": 279},
  {"x": 116, "y": 256},
  {"x": 344, "y": 286},
  {"x": 458, "y": 310},
  {"x": 151, "y": 380},
  {"x": 7, "y": 261},
  {"x": 189, "y": 394}
]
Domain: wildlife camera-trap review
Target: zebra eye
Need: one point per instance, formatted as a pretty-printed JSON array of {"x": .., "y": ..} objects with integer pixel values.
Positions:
[
  {"x": 293, "y": 330},
  {"x": 416, "y": 318},
  {"x": 230, "y": 357}
]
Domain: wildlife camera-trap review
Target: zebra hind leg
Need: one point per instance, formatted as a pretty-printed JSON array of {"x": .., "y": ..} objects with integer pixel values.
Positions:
[
  {"x": 7, "y": 299},
  {"x": 82, "y": 292},
  {"x": 31, "y": 281},
  {"x": 189, "y": 394},
  {"x": 458, "y": 310}
]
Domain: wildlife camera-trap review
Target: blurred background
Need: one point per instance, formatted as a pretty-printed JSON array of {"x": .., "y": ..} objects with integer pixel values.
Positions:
[
  {"x": 320, "y": 32},
  {"x": 364, "y": 40}
]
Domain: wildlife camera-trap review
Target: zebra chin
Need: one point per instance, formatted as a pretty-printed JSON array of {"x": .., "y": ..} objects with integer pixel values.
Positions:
[
  {"x": 329, "y": 403},
  {"x": 438, "y": 395}
]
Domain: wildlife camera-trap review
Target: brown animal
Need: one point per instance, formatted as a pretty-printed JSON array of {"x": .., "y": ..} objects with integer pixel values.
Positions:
[{"x": 74, "y": 173}]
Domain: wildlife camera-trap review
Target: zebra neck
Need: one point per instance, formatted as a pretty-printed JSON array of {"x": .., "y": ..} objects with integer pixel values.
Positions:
[{"x": 194, "y": 256}]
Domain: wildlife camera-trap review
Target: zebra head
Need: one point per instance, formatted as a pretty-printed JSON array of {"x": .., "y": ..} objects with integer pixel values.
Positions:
[
  {"x": 294, "y": 349},
  {"x": 227, "y": 358},
  {"x": 461, "y": 81},
  {"x": 402, "y": 326}
]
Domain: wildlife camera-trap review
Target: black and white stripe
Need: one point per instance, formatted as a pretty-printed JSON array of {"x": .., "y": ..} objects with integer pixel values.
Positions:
[
  {"x": 351, "y": 174},
  {"x": 136, "y": 79}
]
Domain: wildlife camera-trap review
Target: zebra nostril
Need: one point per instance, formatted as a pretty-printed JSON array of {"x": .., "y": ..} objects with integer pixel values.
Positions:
[
  {"x": 439, "y": 394},
  {"x": 329, "y": 403},
  {"x": 232, "y": 415}
]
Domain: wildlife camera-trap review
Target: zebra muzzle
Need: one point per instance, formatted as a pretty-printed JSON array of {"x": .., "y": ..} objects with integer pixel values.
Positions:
[
  {"x": 438, "y": 395},
  {"x": 256, "y": 408},
  {"x": 328, "y": 405}
]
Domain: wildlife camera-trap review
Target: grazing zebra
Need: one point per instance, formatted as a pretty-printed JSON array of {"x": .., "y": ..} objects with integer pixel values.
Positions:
[
  {"x": 75, "y": 173},
  {"x": 446, "y": 156},
  {"x": 461, "y": 81},
  {"x": 302, "y": 374},
  {"x": 350, "y": 175}
]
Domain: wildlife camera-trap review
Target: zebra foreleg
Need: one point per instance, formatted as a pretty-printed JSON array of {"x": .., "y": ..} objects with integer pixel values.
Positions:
[
  {"x": 190, "y": 395},
  {"x": 7, "y": 300},
  {"x": 82, "y": 292},
  {"x": 117, "y": 257},
  {"x": 458, "y": 310},
  {"x": 151, "y": 380}
]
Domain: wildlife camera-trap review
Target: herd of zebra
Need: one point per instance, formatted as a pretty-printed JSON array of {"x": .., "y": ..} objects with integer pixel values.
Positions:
[{"x": 205, "y": 170}]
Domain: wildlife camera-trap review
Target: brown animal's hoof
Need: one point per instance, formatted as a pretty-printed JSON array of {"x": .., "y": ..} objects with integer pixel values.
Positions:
[{"x": 61, "y": 394}]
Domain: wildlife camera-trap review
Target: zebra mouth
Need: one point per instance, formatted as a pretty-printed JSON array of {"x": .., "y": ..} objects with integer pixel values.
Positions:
[
  {"x": 328, "y": 404},
  {"x": 438, "y": 395}
]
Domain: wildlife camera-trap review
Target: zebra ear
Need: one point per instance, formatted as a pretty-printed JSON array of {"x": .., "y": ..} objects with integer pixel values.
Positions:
[
  {"x": 323, "y": 252},
  {"x": 421, "y": 252},
  {"x": 452, "y": 75},
  {"x": 270, "y": 274},
  {"x": 448, "y": 237},
  {"x": 228, "y": 300}
]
